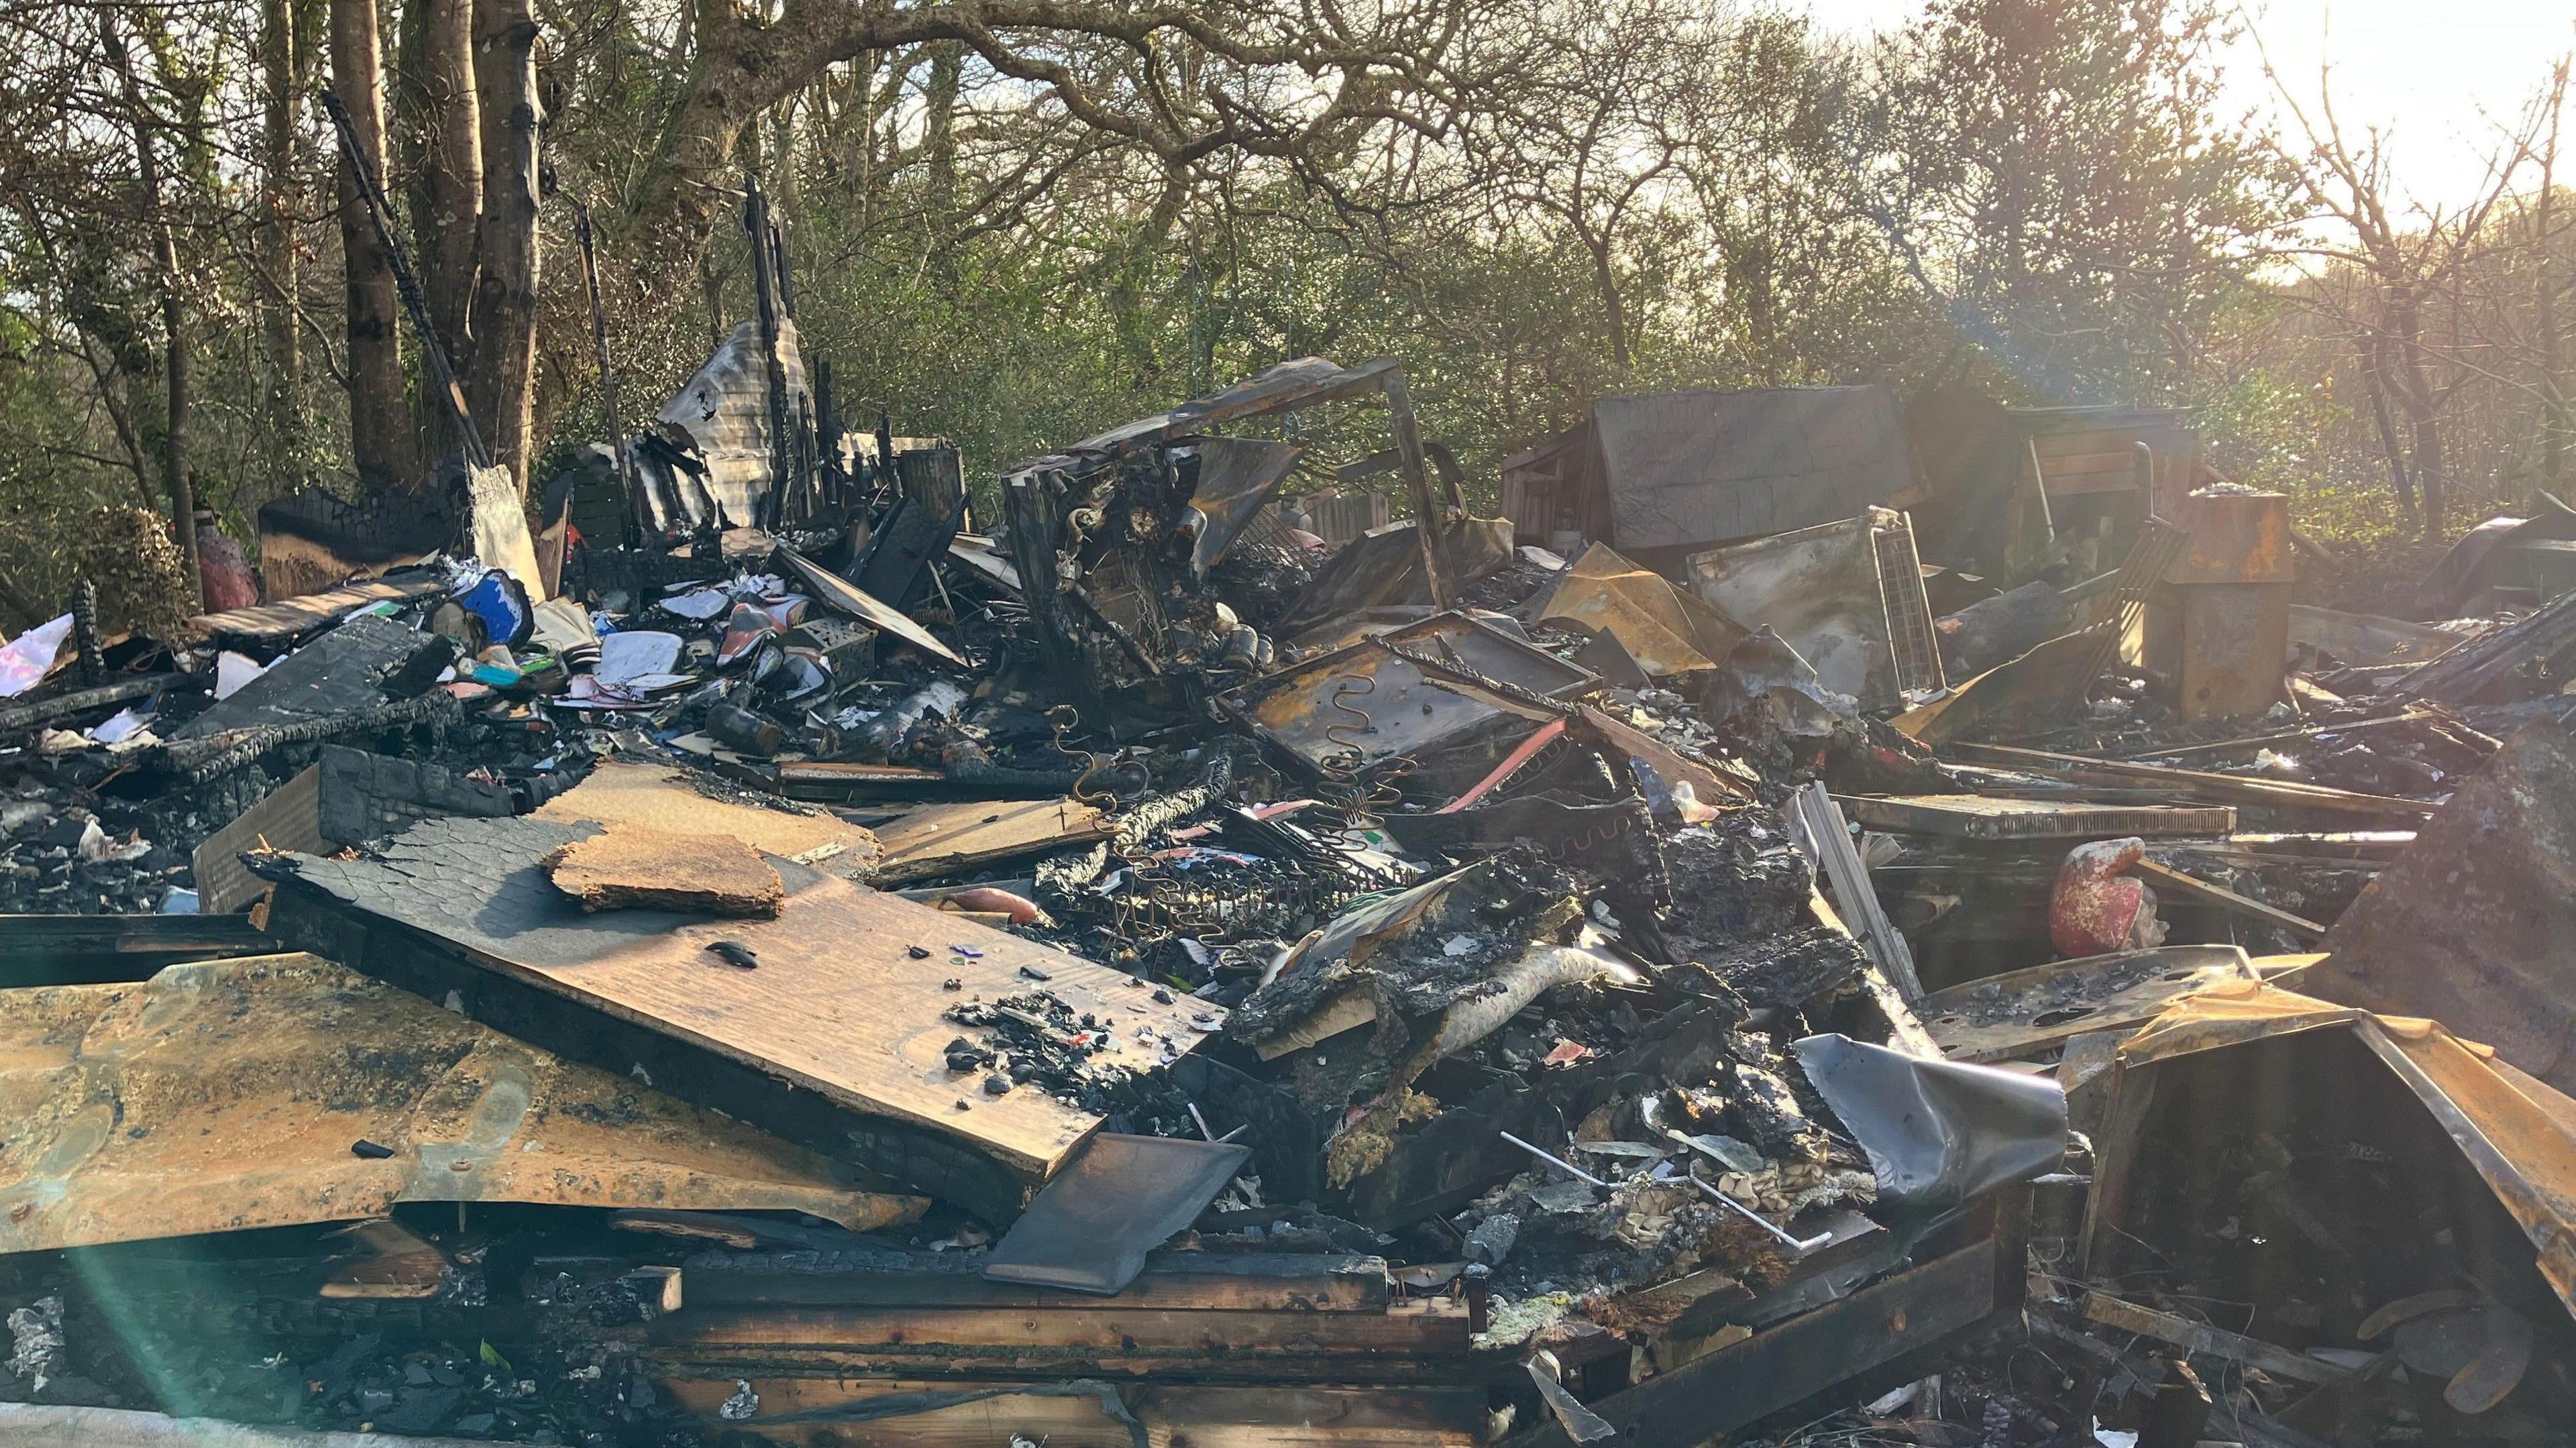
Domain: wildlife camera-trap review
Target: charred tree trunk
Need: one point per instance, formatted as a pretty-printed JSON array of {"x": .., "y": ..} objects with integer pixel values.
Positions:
[
  {"x": 281, "y": 202},
  {"x": 443, "y": 120},
  {"x": 500, "y": 374},
  {"x": 381, "y": 436}
]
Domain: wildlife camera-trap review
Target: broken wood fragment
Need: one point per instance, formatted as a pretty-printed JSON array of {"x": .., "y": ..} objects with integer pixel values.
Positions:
[
  {"x": 2195, "y": 784},
  {"x": 2226, "y": 899},
  {"x": 630, "y": 865},
  {"x": 2216, "y": 1342}
]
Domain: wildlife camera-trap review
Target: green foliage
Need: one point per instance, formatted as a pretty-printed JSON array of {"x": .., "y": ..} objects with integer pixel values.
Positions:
[{"x": 1620, "y": 196}]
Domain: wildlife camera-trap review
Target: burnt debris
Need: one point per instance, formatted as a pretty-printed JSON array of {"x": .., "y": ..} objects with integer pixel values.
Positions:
[{"x": 822, "y": 940}]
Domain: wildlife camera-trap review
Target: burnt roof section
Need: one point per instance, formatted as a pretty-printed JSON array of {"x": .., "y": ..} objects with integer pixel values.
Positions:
[{"x": 1705, "y": 466}]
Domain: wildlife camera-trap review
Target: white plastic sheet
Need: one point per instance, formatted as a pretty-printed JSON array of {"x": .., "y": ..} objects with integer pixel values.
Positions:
[{"x": 26, "y": 658}]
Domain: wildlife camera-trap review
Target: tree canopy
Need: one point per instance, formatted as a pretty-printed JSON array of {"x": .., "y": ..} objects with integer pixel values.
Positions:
[{"x": 1015, "y": 221}]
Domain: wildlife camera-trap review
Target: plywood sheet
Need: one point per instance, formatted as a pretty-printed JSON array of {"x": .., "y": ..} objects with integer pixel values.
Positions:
[
  {"x": 838, "y": 1006},
  {"x": 629, "y": 865},
  {"x": 156, "y": 1109},
  {"x": 662, "y": 797}
]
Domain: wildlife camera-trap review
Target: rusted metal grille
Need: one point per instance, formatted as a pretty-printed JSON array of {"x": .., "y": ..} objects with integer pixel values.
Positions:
[{"x": 2124, "y": 604}]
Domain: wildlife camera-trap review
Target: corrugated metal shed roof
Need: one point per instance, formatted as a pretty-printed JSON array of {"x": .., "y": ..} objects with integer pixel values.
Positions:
[{"x": 1706, "y": 466}]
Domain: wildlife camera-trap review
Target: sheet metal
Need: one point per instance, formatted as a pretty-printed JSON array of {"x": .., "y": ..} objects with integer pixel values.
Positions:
[
  {"x": 1090, "y": 1228},
  {"x": 226, "y": 1095},
  {"x": 723, "y": 415},
  {"x": 1664, "y": 629},
  {"x": 1826, "y": 591},
  {"x": 2021, "y": 1011},
  {"x": 2367, "y": 640},
  {"x": 1392, "y": 706},
  {"x": 2517, "y": 1131},
  {"x": 2008, "y": 699},
  {"x": 1303, "y": 382},
  {"x": 1237, "y": 479},
  {"x": 1938, "y": 1132}
]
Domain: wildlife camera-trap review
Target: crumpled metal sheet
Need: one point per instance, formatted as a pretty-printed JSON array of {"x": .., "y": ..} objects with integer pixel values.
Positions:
[
  {"x": 1389, "y": 705},
  {"x": 2469, "y": 567},
  {"x": 1664, "y": 629},
  {"x": 1938, "y": 1132},
  {"x": 1237, "y": 478},
  {"x": 722, "y": 419},
  {"x": 225, "y": 1095},
  {"x": 1829, "y": 594},
  {"x": 2017, "y": 1013},
  {"x": 2471, "y": 925},
  {"x": 2005, "y": 700},
  {"x": 2517, "y": 1131}
]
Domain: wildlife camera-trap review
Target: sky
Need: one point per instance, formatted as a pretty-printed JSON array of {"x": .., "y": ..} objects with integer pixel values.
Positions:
[{"x": 2441, "y": 74}]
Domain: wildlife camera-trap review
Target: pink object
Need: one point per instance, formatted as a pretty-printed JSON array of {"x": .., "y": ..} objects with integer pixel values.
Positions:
[
  {"x": 1511, "y": 763},
  {"x": 2096, "y": 910},
  {"x": 990, "y": 900},
  {"x": 223, "y": 569}
]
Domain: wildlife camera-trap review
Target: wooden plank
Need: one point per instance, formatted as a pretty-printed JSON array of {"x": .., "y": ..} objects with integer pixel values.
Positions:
[
  {"x": 1191, "y": 1281},
  {"x": 932, "y": 840},
  {"x": 2368, "y": 845},
  {"x": 2194, "y": 784},
  {"x": 948, "y": 1414},
  {"x": 291, "y": 616},
  {"x": 2073, "y": 455},
  {"x": 289, "y": 819},
  {"x": 1423, "y": 1328},
  {"x": 2285, "y": 736},
  {"x": 2209, "y": 1341},
  {"x": 1431, "y": 521},
  {"x": 49, "y": 950},
  {"x": 838, "y": 1008},
  {"x": 1706, "y": 783},
  {"x": 929, "y": 1414},
  {"x": 2226, "y": 899},
  {"x": 1985, "y": 817},
  {"x": 2092, "y": 482},
  {"x": 1804, "y": 1356}
]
